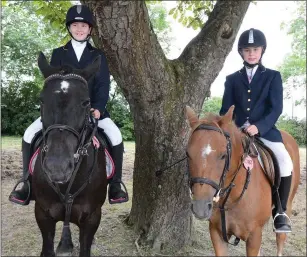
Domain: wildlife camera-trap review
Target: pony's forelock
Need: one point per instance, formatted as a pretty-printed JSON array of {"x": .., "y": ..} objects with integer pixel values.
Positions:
[{"x": 214, "y": 119}]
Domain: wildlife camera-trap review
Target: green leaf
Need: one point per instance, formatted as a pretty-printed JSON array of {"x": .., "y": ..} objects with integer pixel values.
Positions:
[
  {"x": 176, "y": 14},
  {"x": 171, "y": 11}
]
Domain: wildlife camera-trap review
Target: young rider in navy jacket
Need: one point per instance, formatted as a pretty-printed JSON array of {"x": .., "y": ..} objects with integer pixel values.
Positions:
[
  {"x": 257, "y": 94},
  {"x": 79, "y": 53}
]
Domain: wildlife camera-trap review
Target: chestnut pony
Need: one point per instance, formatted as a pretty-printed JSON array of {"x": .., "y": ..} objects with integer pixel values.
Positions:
[{"x": 245, "y": 215}]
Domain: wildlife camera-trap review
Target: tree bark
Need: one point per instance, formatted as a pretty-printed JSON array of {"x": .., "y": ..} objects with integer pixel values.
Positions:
[{"x": 157, "y": 90}]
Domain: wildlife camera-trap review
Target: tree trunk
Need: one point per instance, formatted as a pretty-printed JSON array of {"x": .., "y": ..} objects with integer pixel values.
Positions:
[{"x": 157, "y": 90}]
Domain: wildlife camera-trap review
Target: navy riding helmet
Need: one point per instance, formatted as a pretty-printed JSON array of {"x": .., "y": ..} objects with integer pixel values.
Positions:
[
  {"x": 79, "y": 13},
  {"x": 252, "y": 38}
]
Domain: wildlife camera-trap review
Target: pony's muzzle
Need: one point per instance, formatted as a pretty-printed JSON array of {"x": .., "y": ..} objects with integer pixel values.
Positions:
[
  {"x": 58, "y": 170},
  {"x": 202, "y": 209}
]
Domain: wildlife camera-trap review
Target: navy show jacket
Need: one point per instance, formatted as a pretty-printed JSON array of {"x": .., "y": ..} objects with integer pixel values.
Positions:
[
  {"x": 260, "y": 102},
  {"x": 99, "y": 85}
]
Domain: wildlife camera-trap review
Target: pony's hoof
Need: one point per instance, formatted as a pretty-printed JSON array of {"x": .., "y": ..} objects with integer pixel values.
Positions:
[
  {"x": 64, "y": 249},
  {"x": 64, "y": 253},
  {"x": 48, "y": 255}
]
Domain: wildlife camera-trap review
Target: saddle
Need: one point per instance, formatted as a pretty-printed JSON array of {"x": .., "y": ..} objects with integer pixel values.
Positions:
[{"x": 266, "y": 157}]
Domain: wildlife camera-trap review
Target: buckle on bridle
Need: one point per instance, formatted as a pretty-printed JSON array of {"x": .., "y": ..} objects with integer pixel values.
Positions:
[
  {"x": 45, "y": 148},
  {"x": 80, "y": 151},
  {"x": 76, "y": 156},
  {"x": 216, "y": 198},
  {"x": 83, "y": 151}
]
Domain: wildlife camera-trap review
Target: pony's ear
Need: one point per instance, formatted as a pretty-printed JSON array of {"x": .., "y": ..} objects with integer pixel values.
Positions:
[
  {"x": 191, "y": 116},
  {"x": 44, "y": 66},
  {"x": 227, "y": 118},
  {"x": 91, "y": 69}
]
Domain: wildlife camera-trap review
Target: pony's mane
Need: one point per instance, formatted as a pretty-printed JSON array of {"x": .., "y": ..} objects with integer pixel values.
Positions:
[{"x": 210, "y": 118}]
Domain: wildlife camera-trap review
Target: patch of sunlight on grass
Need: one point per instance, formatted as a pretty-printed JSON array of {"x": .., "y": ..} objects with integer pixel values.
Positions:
[
  {"x": 10, "y": 142},
  {"x": 129, "y": 146},
  {"x": 14, "y": 142}
]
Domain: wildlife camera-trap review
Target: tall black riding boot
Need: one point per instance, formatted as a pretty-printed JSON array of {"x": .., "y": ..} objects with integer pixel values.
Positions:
[
  {"x": 281, "y": 220},
  {"x": 23, "y": 195},
  {"x": 116, "y": 194}
]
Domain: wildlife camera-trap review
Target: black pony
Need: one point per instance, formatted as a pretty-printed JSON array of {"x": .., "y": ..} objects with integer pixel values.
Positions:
[{"x": 69, "y": 178}]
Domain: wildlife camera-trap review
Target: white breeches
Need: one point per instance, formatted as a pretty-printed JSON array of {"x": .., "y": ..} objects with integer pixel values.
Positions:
[
  {"x": 106, "y": 124},
  {"x": 30, "y": 132},
  {"x": 282, "y": 155},
  {"x": 111, "y": 130}
]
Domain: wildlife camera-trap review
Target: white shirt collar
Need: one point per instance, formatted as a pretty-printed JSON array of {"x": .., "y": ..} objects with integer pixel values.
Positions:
[
  {"x": 78, "y": 44},
  {"x": 251, "y": 71},
  {"x": 78, "y": 47}
]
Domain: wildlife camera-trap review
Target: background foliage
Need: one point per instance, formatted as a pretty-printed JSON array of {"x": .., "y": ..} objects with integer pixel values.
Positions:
[
  {"x": 23, "y": 36},
  {"x": 293, "y": 67},
  {"x": 39, "y": 26}
]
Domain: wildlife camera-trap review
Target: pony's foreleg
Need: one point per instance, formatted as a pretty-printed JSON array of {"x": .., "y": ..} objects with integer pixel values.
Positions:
[
  {"x": 253, "y": 242},
  {"x": 220, "y": 247},
  {"x": 87, "y": 231},
  {"x": 281, "y": 237},
  {"x": 47, "y": 227},
  {"x": 65, "y": 246},
  {"x": 280, "y": 240}
]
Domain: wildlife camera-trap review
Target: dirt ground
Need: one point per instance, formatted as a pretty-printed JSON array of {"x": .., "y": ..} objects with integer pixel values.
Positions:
[{"x": 20, "y": 235}]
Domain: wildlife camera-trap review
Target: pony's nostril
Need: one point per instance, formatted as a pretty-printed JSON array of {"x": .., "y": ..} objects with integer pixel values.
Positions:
[
  {"x": 70, "y": 165},
  {"x": 209, "y": 206}
]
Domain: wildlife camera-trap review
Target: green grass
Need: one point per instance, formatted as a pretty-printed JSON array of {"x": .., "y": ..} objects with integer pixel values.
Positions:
[
  {"x": 129, "y": 146},
  {"x": 10, "y": 142},
  {"x": 14, "y": 142}
]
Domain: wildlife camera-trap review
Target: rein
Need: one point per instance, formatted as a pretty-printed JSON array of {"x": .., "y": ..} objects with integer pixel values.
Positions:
[
  {"x": 159, "y": 172},
  {"x": 68, "y": 198}
]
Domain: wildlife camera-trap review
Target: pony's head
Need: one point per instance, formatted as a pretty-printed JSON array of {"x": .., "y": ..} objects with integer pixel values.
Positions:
[
  {"x": 209, "y": 153},
  {"x": 65, "y": 107}
]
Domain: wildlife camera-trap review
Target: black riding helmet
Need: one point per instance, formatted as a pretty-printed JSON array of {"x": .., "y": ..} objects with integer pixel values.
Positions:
[
  {"x": 252, "y": 38},
  {"x": 79, "y": 13}
]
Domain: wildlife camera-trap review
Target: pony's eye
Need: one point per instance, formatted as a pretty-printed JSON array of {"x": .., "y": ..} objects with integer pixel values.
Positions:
[
  {"x": 85, "y": 103},
  {"x": 188, "y": 155},
  {"x": 222, "y": 156}
]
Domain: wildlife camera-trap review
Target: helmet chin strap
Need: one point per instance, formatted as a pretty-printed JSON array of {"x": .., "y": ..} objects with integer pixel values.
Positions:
[
  {"x": 251, "y": 65},
  {"x": 82, "y": 41}
]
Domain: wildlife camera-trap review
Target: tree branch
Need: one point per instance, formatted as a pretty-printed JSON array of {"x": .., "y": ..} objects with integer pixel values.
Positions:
[
  {"x": 125, "y": 33},
  {"x": 219, "y": 30},
  {"x": 204, "y": 56}
]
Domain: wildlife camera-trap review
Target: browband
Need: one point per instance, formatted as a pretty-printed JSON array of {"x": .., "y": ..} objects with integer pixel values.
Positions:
[{"x": 67, "y": 76}]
